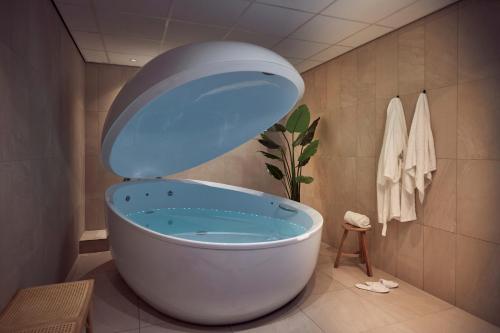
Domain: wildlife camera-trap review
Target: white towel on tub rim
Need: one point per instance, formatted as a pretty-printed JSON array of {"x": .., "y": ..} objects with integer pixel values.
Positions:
[{"x": 390, "y": 164}]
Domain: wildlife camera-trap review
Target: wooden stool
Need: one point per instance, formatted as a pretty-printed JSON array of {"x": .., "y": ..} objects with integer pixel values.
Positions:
[
  {"x": 62, "y": 307},
  {"x": 362, "y": 253}
]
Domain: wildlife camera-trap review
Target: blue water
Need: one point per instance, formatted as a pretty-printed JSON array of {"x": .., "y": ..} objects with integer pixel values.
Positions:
[{"x": 216, "y": 226}]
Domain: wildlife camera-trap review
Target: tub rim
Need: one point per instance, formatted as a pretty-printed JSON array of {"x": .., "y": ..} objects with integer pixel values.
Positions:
[{"x": 315, "y": 216}]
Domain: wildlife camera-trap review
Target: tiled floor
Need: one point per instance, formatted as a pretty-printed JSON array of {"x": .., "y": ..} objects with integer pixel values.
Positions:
[{"x": 329, "y": 303}]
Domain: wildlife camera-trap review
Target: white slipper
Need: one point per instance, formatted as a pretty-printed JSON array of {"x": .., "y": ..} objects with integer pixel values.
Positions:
[
  {"x": 389, "y": 284},
  {"x": 376, "y": 287},
  {"x": 386, "y": 283}
]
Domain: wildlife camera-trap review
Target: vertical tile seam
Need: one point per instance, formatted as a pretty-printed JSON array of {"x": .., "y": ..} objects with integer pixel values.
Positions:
[
  {"x": 397, "y": 94},
  {"x": 356, "y": 203},
  {"x": 456, "y": 156},
  {"x": 375, "y": 42},
  {"x": 424, "y": 25},
  {"x": 83, "y": 200}
]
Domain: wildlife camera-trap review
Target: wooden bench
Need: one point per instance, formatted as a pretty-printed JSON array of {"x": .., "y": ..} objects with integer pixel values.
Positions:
[
  {"x": 62, "y": 307},
  {"x": 362, "y": 252}
]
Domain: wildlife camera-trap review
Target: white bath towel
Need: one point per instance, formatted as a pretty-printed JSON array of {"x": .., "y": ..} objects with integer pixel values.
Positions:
[
  {"x": 356, "y": 219},
  {"x": 420, "y": 159},
  {"x": 390, "y": 165}
]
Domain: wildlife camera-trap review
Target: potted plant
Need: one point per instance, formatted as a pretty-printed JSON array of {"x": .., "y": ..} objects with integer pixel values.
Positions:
[{"x": 291, "y": 146}]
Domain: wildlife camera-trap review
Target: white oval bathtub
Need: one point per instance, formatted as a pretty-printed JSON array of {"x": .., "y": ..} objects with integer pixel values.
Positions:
[{"x": 206, "y": 281}]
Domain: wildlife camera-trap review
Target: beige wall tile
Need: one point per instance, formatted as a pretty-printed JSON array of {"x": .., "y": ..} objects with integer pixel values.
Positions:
[
  {"x": 411, "y": 41},
  {"x": 241, "y": 167},
  {"x": 101, "y": 117},
  {"x": 333, "y": 79},
  {"x": 20, "y": 14},
  {"x": 366, "y": 187},
  {"x": 443, "y": 109},
  {"x": 366, "y": 72},
  {"x": 15, "y": 122},
  {"x": 91, "y": 87},
  {"x": 92, "y": 176},
  {"x": 387, "y": 66},
  {"x": 439, "y": 263},
  {"x": 320, "y": 86},
  {"x": 479, "y": 119},
  {"x": 320, "y": 191},
  {"x": 324, "y": 133},
  {"x": 110, "y": 80},
  {"x": 308, "y": 97},
  {"x": 106, "y": 178},
  {"x": 44, "y": 37},
  {"x": 348, "y": 79},
  {"x": 319, "y": 194},
  {"x": 42, "y": 147},
  {"x": 384, "y": 250},
  {"x": 409, "y": 102},
  {"x": 92, "y": 134},
  {"x": 252, "y": 145},
  {"x": 410, "y": 257},
  {"x": 18, "y": 191},
  {"x": 478, "y": 39},
  {"x": 41, "y": 118},
  {"x": 344, "y": 180},
  {"x": 97, "y": 178},
  {"x": 380, "y": 117},
  {"x": 344, "y": 131},
  {"x": 365, "y": 129},
  {"x": 477, "y": 278},
  {"x": 94, "y": 213},
  {"x": 478, "y": 190},
  {"x": 441, "y": 59},
  {"x": 343, "y": 183},
  {"x": 330, "y": 231},
  {"x": 315, "y": 94},
  {"x": 440, "y": 205},
  {"x": 6, "y": 24},
  {"x": 130, "y": 72}
]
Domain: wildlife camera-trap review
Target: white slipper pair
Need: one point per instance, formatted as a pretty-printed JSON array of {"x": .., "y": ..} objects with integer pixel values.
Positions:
[{"x": 381, "y": 286}]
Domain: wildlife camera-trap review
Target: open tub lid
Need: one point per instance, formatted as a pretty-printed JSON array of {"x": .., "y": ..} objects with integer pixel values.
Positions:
[{"x": 194, "y": 103}]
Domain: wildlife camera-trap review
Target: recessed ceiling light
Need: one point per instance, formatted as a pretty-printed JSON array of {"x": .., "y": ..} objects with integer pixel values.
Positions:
[{"x": 133, "y": 60}]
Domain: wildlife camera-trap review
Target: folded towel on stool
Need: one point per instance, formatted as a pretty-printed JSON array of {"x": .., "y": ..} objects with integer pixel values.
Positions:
[{"x": 358, "y": 220}]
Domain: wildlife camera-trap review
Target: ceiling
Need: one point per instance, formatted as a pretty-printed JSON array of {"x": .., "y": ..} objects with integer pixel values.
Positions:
[{"x": 306, "y": 32}]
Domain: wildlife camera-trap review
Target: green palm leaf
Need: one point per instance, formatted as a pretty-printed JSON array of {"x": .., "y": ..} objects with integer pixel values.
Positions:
[
  {"x": 277, "y": 128},
  {"x": 274, "y": 171},
  {"x": 268, "y": 142},
  {"x": 304, "y": 179},
  {"x": 309, "y": 151},
  {"x": 298, "y": 120},
  {"x": 269, "y": 155}
]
